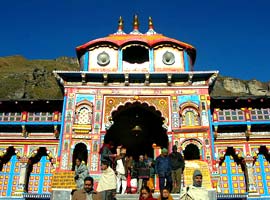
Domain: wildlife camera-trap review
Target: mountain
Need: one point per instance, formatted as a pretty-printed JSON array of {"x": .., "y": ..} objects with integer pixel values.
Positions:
[
  {"x": 23, "y": 79},
  {"x": 32, "y": 79}
]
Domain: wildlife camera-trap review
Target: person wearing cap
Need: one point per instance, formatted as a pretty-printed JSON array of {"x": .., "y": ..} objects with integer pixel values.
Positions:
[
  {"x": 163, "y": 169},
  {"x": 178, "y": 165},
  {"x": 195, "y": 191}
]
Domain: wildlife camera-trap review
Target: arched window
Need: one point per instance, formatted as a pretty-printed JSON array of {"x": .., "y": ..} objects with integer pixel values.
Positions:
[
  {"x": 84, "y": 115},
  {"x": 190, "y": 117}
]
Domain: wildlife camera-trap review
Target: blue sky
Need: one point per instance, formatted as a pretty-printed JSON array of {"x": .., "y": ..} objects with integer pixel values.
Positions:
[{"x": 232, "y": 37}]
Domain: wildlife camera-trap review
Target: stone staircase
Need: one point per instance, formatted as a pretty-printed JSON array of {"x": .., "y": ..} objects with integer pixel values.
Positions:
[{"x": 136, "y": 196}]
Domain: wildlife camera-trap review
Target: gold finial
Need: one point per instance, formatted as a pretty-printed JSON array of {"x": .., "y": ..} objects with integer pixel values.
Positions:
[
  {"x": 120, "y": 26},
  {"x": 120, "y": 23},
  {"x": 135, "y": 22},
  {"x": 150, "y": 23},
  {"x": 150, "y": 27}
]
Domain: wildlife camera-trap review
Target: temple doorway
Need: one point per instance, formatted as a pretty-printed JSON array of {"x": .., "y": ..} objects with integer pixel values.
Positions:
[
  {"x": 80, "y": 151},
  {"x": 137, "y": 126},
  {"x": 191, "y": 152}
]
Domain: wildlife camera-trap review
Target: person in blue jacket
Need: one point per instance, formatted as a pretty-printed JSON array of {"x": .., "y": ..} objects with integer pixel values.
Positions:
[{"x": 163, "y": 169}]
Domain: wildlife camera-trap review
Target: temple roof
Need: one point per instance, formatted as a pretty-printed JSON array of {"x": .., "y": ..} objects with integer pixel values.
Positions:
[
  {"x": 150, "y": 39},
  {"x": 121, "y": 40}
]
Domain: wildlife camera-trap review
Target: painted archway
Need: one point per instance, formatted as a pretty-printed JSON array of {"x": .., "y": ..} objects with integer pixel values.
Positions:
[
  {"x": 192, "y": 149},
  {"x": 137, "y": 126}
]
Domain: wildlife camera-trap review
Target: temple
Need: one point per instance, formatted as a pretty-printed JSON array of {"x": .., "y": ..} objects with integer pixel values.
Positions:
[{"x": 139, "y": 90}]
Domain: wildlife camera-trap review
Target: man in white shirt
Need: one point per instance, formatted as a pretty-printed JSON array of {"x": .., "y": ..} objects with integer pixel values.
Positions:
[
  {"x": 121, "y": 171},
  {"x": 195, "y": 191}
]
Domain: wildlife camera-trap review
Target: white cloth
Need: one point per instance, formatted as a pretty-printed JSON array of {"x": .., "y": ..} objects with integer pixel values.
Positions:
[
  {"x": 121, "y": 181},
  {"x": 120, "y": 167},
  {"x": 121, "y": 178},
  {"x": 107, "y": 180},
  {"x": 194, "y": 193}
]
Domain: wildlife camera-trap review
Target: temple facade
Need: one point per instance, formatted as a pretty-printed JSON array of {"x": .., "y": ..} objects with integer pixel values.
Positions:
[{"x": 139, "y": 90}]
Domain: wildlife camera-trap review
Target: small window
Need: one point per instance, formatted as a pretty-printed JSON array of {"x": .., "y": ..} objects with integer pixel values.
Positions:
[{"x": 136, "y": 54}]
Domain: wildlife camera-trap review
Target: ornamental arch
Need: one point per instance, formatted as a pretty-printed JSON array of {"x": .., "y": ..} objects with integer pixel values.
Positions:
[
  {"x": 192, "y": 149},
  {"x": 80, "y": 151},
  {"x": 137, "y": 126}
]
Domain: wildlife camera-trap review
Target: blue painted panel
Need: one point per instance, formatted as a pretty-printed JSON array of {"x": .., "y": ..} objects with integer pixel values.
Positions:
[
  {"x": 186, "y": 61},
  {"x": 40, "y": 176},
  {"x": 31, "y": 123},
  {"x": 229, "y": 174},
  {"x": 211, "y": 134},
  {"x": 263, "y": 173},
  {"x": 81, "y": 97},
  {"x": 13, "y": 173},
  {"x": 151, "y": 60},
  {"x": 62, "y": 126},
  {"x": 86, "y": 61},
  {"x": 120, "y": 60},
  {"x": 185, "y": 98}
]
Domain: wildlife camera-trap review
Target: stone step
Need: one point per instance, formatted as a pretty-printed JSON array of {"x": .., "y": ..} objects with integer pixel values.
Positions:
[{"x": 136, "y": 196}]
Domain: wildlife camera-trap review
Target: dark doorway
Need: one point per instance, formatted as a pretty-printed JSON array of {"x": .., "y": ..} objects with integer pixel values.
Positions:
[
  {"x": 81, "y": 152},
  {"x": 137, "y": 126},
  {"x": 191, "y": 152}
]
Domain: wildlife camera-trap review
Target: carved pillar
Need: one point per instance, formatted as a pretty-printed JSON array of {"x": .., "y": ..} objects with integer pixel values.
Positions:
[
  {"x": 251, "y": 185},
  {"x": 23, "y": 175},
  {"x": 157, "y": 151},
  {"x": 216, "y": 176}
]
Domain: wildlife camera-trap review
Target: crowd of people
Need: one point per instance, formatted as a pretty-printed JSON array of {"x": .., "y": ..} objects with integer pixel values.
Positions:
[{"x": 122, "y": 174}]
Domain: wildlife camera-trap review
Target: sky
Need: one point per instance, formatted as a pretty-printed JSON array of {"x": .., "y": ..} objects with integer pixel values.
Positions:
[{"x": 232, "y": 37}]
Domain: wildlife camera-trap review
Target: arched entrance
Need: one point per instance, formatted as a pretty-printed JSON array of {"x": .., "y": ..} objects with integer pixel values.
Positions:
[
  {"x": 191, "y": 152},
  {"x": 137, "y": 126},
  {"x": 80, "y": 151}
]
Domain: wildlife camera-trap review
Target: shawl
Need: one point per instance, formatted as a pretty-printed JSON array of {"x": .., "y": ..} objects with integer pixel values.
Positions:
[{"x": 107, "y": 180}]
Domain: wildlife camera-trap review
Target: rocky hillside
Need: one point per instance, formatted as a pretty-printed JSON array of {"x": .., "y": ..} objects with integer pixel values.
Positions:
[
  {"x": 228, "y": 86},
  {"x": 33, "y": 79}
]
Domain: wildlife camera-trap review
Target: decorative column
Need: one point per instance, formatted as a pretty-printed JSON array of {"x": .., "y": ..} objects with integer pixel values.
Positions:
[
  {"x": 23, "y": 175},
  {"x": 157, "y": 151},
  {"x": 252, "y": 190},
  {"x": 216, "y": 176}
]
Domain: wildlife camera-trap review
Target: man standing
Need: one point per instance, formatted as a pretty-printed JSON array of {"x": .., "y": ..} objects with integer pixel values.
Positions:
[
  {"x": 142, "y": 170},
  {"x": 195, "y": 191},
  {"x": 107, "y": 183},
  {"x": 106, "y": 153},
  {"x": 121, "y": 171},
  {"x": 163, "y": 168},
  {"x": 178, "y": 165},
  {"x": 87, "y": 193}
]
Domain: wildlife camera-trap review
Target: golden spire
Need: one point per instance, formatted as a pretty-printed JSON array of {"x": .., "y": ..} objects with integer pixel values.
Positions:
[
  {"x": 135, "y": 25},
  {"x": 150, "y": 23},
  {"x": 120, "y": 26},
  {"x": 151, "y": 30},
  {"x": 135, "y": 22}
]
